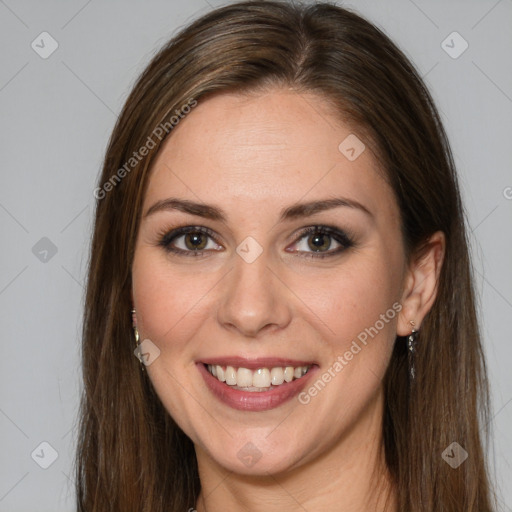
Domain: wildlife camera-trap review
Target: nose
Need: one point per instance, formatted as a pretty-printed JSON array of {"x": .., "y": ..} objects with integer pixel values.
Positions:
[{"x": 254, "y": 298}]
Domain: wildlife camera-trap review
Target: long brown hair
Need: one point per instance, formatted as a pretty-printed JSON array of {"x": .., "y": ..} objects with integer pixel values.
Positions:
[{"x": 131, "y": 455}]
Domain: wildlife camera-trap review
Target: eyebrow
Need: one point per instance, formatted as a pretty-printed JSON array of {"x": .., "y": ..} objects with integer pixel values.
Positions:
[{"x": 292, "y": 212}]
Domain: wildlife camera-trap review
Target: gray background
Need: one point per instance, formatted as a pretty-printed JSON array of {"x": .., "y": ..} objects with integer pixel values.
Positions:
[{"x": 56, "y": 116}]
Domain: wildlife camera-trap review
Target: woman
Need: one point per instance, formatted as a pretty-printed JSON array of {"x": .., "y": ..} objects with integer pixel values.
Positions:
[{"x": 280, "y": 237}]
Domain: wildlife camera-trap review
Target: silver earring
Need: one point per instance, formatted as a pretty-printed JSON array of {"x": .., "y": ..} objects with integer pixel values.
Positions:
[
  {"x": 136, "y": 335},
  {"x": 412, "y": 341}
]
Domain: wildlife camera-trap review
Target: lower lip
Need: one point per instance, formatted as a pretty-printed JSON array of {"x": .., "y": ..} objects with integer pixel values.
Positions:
[{"x": 254, "y": 400}]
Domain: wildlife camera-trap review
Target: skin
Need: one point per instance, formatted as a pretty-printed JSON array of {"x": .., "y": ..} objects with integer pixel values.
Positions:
[{"x": 252, "y": 156}]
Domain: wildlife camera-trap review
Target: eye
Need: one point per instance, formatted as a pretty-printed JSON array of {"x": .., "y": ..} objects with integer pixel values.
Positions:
[
  {"x": 314, "y": 241},
  {"x": 189, "y": 241},
  {"x": 322, "y": 241}
]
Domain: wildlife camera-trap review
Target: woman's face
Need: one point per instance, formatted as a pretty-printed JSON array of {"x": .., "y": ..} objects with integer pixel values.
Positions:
[{"x": 254, "y": 294}]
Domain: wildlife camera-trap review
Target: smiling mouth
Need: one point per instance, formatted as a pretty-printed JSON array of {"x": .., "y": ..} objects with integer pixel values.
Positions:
[{"x": 261, "y": 379}]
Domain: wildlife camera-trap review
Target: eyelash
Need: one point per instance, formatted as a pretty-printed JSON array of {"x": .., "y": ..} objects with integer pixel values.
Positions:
[{"x": 345, "y": 240}]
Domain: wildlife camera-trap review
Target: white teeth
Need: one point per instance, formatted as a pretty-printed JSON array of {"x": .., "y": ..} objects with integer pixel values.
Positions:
[
  {"x": 258, "y": 380},
  {"x": 244, "y": 377},
  {"x": 276, "y": 376},
  {"x": 261, "y": 378},
  {"x": 221, "y": 374},
  {"x": 230, "y": 376}
]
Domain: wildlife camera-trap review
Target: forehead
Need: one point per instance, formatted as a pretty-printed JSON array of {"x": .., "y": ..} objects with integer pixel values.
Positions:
[{"x": 265, "y": 150}]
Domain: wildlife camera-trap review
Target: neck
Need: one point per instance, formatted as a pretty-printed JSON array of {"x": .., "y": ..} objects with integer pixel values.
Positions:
[{"x": 350, "y": 477}]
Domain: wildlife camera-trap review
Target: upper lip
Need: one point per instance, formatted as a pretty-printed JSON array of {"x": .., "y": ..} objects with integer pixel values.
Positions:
[{"x": 255, "y": 363}]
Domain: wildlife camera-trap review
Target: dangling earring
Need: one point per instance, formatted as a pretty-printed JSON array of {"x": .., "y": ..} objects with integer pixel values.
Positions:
[
  {"x": 412, "y": 340},
  {"x": 136, "y": 334}
]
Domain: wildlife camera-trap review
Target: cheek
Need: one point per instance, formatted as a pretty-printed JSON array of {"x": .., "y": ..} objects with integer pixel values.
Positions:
[
  {"x": 168, "y": 301},
  {"x": 359, "y": 307},
  {"x": 352, "y": 298},
  {"x": 169, "y": 305},
  {"x": 173, "y": 302}
]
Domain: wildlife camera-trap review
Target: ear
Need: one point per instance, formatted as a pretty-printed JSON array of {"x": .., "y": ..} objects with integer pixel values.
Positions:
[{"x": 421, "y": 283}]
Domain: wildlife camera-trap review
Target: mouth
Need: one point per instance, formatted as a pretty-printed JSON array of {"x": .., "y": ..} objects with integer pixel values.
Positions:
[
  {"x": 255, "y": 385},
  {"x": 259, "y": 380}
]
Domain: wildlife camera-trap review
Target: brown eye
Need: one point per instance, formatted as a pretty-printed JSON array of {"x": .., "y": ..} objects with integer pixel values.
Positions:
[
  {"x": 322, "y": 241},
  {"x": 319, "y": 242},
  {"x": 196, "y": 241},
  {"x": 189, "y": 241}
]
